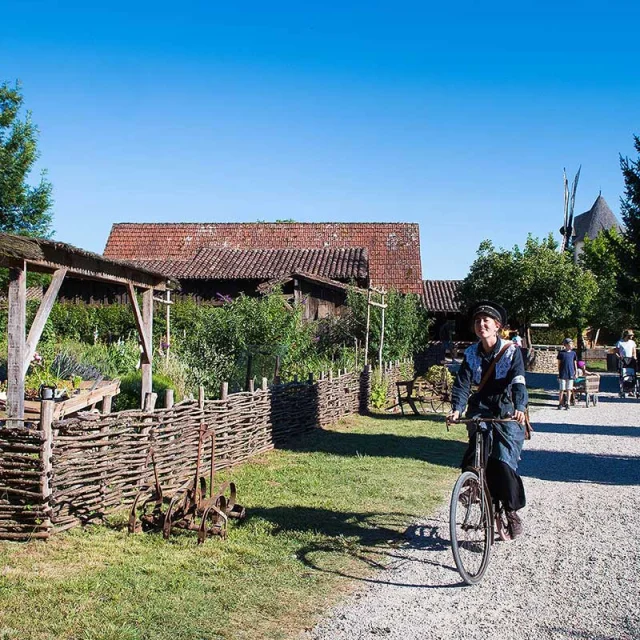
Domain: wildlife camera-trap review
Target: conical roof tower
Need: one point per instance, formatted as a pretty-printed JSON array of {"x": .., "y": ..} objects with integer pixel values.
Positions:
[{"x": 590, "y": 223}]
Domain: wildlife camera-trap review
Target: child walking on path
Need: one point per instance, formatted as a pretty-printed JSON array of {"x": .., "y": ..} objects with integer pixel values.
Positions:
[{"x": 567, "y": 372}]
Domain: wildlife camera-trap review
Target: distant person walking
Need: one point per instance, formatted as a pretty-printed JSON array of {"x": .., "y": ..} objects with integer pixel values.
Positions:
[
  {"x": 626, "y": 350},
  {"x": 516, "y": 338},
  {"x": 567, "y": 372}
]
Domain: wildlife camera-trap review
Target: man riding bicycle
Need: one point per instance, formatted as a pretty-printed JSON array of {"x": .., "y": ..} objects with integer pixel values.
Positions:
[{"x": 496, "y": 366}]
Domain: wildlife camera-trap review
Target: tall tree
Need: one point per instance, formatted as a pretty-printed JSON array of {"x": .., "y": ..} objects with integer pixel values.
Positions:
[
  {"x": 628, "y": 247},
  {"x": 534, "y": 283},
  {"x": 24, "y": 209},
  {"x": 599, "y": 257}
]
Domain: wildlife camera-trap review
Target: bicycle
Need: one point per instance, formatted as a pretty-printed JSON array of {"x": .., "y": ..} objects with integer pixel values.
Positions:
[{"x": 471, "y": 512}]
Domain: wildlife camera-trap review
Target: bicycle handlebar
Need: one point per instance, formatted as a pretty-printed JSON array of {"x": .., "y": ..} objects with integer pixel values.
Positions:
[{"x": 477, "y": 420}]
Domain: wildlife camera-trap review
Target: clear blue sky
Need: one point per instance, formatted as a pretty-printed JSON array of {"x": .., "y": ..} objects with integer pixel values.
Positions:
[{"x": 460, "y": 118}]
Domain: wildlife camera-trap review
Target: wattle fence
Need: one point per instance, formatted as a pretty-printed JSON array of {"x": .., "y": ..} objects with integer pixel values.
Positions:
[{"x": 55, "y": 475}]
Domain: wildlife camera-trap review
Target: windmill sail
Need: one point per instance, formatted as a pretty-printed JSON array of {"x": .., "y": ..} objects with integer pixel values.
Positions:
[{"x": 567, "y": 230}]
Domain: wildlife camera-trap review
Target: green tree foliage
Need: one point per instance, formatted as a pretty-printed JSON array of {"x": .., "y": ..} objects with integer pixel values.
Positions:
[
  {"x": 627, "y": 247},
  {"x": 406, "y": 325},
  {"x": 601, "y": 259},
  {"x": 24, "y": 209},
  {"x": 535, "y": 283}
]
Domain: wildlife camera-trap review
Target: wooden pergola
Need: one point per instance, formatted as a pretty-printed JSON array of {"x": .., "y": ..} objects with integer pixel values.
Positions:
[{"x": 19, "y": 253}]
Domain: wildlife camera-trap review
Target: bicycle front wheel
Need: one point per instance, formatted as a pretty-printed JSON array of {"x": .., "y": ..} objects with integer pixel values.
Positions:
[{"x": 471, "y": 527}]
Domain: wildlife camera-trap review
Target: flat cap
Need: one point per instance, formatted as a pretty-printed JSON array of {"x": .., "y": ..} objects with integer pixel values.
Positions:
[{"x": 491, "y": 309}]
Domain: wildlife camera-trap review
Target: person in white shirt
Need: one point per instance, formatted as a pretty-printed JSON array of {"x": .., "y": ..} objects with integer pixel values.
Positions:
[
  {"x": 516, "y": 338},
  {"x": 626, "y": 350}
]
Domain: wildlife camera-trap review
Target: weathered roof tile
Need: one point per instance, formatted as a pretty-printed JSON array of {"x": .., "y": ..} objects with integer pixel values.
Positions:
[{"x": 393, "y": 248}]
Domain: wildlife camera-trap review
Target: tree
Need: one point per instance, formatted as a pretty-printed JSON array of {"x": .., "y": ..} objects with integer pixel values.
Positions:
[
  {"x": 627, "y": 247},
  {"x": 24, "y": 209},
  {"x": 600, "y": 258},
  {"x": 535, "y": 283}
]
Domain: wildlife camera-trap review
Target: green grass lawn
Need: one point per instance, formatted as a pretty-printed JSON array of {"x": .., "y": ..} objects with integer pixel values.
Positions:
[
  {"x": 597, "y": 366},
  {"x": 321, "y": 515}
]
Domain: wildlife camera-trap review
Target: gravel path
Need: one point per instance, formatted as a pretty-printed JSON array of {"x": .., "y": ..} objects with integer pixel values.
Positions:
[{"x": 575, "y": 572}]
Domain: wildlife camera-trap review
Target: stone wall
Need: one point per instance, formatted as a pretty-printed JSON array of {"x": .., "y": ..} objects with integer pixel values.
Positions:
[{"x": 544, "y": 360}]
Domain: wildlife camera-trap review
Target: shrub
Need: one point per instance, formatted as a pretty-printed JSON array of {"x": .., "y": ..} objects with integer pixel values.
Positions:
[
  {"x": 131, "y": 390},
  {"x": 378, "y": 390},
  {"x": 434, "y": 374}
]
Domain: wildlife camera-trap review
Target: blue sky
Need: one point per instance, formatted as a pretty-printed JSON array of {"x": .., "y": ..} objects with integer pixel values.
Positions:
[{"x": 459, "y": 117}]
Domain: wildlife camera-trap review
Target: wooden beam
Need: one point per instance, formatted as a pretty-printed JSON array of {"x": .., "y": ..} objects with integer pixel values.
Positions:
[
  {"x": 48, "y": 256},
  {"x": 384, "y": 306},
  {"x": 16, "y": 344},
  {"x": 35, "y": 332},
  {"x": 366, "y": 339},
  {"x": 144, "y": 338},
  {"x": 147, "y": 322}
]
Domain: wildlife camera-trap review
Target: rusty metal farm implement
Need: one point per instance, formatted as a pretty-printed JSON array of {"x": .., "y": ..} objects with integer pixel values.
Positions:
[{"x": 190, "y": 507}]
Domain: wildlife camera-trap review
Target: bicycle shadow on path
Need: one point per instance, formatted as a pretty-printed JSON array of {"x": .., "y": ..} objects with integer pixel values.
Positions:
[{"x": 371, "y": 541}]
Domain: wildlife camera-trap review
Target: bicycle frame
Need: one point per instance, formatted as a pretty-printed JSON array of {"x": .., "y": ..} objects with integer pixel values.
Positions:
[{"x": 482, "y": 431}]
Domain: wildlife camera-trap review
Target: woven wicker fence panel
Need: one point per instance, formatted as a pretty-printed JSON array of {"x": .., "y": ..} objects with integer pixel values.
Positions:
[
  {"x": 338, "y": 397},
  {"x": 101, "y": 462},
  {"x": 294, "y": 410},
  {"x": 23, "y": 511}
]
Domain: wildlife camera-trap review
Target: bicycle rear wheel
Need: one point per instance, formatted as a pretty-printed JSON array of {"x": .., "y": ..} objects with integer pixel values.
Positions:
[{"x": 471, "y": 527}]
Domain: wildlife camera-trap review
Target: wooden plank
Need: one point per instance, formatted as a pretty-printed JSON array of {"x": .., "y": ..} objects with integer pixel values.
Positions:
[
  {"x": 46, "y": 418},
  {"x": 147, "y": 358},
  {"x": 86, "y": 399},
  {"x": 146, "y": 342},
  {"x": 16, "y": 343},
  {"x": 41, "y": 317}
]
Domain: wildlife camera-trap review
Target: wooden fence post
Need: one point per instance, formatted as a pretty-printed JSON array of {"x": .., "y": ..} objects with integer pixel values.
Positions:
[
  {"x": 46, "y": 419},
  {"x": 168, "y": 398},
  {"x": 147, "y": 319},
  {"x": 16, "y": 342},
  {"x": 106, "y": 404},
  {"x": 224, "y": 391},
  {"x": 265, "y": 384}
]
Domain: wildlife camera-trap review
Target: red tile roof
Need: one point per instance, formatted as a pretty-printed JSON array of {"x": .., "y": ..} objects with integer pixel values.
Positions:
[
  {"x": 393, "y": 248},
  {"x": 440, "y": 296},
  {"x": 252, "y": 264}
]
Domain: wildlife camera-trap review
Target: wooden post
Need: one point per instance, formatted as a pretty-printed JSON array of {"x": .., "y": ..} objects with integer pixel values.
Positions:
[
  {"x": 41, "y": 317},
  {"x": 224, "y": 391},
  {"x": 168, "y": 316},
  {"x": 46, "y": 418},
  {"x": 150, "y": 400},
  {"x": 366, "y": 338},
  {"x": 106, "y": 404},
  {"x": 252, "y": 386},
  {"x": 16, "y": 342},
  {"x": 276, "y": 373},
  {"x": 381, "y": 335},
  {"x": 201, "y": 397},
  {"x": 249, "y": 375},
  {"x": 168, "y": 398},
  {"x": 265, "y": 383},
  {"x": 147, "y": 357}
]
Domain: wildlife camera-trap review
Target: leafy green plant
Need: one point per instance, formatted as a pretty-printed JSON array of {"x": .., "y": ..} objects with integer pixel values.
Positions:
[
  {"x": 434, "y": 374},
  {"x": 131, "y": 390},
  {"x": 378, "y": 398}
]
